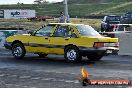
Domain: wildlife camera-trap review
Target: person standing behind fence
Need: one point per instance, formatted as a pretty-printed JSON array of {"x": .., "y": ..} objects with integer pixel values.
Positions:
[{"x": 62, "y": 18}]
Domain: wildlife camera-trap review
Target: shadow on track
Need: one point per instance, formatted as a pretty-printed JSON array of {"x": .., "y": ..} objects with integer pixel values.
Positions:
[{"x": 50, "y": 60}]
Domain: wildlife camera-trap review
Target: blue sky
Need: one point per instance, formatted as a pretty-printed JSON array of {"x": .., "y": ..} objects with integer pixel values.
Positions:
[{"x": 23, "y": 1}]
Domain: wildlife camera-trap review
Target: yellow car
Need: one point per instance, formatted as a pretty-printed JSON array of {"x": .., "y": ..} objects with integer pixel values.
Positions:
[{"x": 71, "y": 40}]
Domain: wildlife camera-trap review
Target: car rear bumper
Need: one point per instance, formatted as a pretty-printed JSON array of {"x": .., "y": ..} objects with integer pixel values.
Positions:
[{"x": 103, "y": 50}]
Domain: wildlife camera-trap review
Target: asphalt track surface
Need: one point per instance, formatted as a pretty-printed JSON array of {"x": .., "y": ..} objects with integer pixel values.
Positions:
[{"x": 54, "y": 72}]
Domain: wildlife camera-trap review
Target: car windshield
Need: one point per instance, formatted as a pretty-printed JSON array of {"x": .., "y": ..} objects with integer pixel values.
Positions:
[
  {"x": 113, "y": 18},
  {"x": 86, "y": 30}
]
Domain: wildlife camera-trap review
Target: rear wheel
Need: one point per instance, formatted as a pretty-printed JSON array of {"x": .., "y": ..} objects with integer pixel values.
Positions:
[
  {"x": 72, "y": 54},
  {"x": 42, "y": 55},
  {"x": 18, "y": 50},
  {"x": 95, "y": 57}
]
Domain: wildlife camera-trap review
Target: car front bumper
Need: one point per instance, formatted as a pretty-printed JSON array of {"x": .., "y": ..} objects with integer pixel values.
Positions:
[{"x": 7, "y": 45}]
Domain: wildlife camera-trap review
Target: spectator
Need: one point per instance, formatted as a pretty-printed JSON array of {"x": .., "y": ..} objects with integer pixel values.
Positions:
[{"x": 62, "y": 18}]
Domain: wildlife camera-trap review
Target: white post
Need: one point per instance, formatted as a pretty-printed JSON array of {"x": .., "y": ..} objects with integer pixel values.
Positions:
[{"x": 66, "y": 10}]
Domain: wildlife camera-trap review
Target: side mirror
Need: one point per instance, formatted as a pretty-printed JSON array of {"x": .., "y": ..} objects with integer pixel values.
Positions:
[
  {"x": 74, "y": 35},
  {"x": 31, "y": 32},
  {"x": 43, "y": 26}
]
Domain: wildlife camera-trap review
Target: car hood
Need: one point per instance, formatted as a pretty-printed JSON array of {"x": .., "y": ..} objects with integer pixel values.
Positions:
[
  {"x": 23, "y": 34},
  {"x": 20, "y": 37}
]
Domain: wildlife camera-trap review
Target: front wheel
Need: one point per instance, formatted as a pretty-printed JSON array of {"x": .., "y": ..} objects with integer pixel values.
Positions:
[
  {"x": 72, "y": 54},
  {"x": 94, "y": 57},
  {"x": 18, "y": 51}
]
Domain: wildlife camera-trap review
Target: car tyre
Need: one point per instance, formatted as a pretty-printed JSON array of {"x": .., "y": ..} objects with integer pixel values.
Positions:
[
  {"x": 72, "y": 54},
  {"x": 18, "y": 50}
]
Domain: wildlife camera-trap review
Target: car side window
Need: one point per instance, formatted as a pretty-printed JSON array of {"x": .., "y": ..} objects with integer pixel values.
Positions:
[
  {"x": 62, "y": 31},
  {"x": 45, "y": 31},
  {"x": 73, "y": 34}
]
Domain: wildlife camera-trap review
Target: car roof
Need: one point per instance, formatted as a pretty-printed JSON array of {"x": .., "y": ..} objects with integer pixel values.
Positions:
[
  {"x": 65, "y": 24},
  {"x": 113, "y": 16}
]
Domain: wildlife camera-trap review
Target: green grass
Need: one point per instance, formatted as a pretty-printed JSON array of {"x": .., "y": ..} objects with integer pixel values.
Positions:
[
  {"x": 96, "y": 1},
  {"x": 32, "y": 25},
  {"x": 121, "y": 8},
  {"x": 23, "y": 23},
  {"x": 111, "y": 7}
]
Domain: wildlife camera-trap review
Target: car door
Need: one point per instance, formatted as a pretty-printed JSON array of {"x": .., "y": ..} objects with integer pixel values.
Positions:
[
  {"x": 39, "y": 42},
  {"x": 59, "y": 39}
]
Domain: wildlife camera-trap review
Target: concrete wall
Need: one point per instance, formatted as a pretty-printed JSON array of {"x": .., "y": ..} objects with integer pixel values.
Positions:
[
  {"x": 125, "y": 40},
  {"x": 2, "y": 39}
]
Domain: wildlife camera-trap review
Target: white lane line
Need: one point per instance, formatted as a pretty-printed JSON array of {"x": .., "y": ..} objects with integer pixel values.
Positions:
[
  {"x": 1, "y": 75},
  {"x": 60, "y": 80},
  {"x": 57, "y": 72},
  {"x": 9, "y": 84},
  {"x": 33, "y": 87},
  {"x": 35, "y": 78},
  {"x": 24, "y": 77},
  {"x": 71, "y": 81},
  {"x": 68, "y": 81},
  {"x": 48, "y": 79},
  {"x": 12, "y": 76},
  {"x": 25, "y": 86}
]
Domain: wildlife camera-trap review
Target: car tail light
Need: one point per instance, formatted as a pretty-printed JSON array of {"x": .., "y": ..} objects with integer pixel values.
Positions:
[
  {"x": 99, "y": 45},
  {"x": 116, "y": 44}
]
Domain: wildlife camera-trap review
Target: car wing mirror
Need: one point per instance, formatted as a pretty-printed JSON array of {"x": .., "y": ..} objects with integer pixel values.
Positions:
[
  {"x": 43, "y": 26},
  {"x": 31, "y": 32},
  {"x": 74, "y": 35}
]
